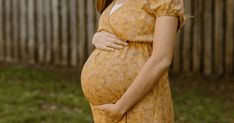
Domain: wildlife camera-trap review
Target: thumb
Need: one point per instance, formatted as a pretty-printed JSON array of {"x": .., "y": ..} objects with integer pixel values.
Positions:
[
  {"x": 99, "y": 110},
  {"x": 97, "y": 107}
]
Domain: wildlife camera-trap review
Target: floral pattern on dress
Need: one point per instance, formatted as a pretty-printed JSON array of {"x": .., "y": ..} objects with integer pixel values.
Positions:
[{"x": 106, "y": 75}]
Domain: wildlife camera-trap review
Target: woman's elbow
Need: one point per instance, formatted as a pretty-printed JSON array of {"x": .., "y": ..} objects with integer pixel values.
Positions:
[{"x": 163, "y": 62}]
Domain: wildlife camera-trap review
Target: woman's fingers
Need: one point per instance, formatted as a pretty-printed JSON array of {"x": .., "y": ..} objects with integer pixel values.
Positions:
[
  {"x": 120, "y": 42},
  {"x": 116, "y": 40},
  {"x": 103, "y": 47},
  {"x": 106, "y": 48},
  {"x": 107, "y": 41},
  {"x": 112, "y": 45}
]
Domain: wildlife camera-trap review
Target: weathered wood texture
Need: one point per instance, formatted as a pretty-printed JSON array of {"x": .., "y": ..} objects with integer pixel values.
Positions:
[
  {"x": 206, "y": 43},
  {"x": 59, "y": 32}
]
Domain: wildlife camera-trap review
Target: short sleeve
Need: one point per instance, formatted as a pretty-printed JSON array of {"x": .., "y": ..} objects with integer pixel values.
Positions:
[{"x": 168, "y": 8}]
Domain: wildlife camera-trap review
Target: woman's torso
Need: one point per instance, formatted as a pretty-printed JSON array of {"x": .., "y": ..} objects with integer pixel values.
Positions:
[{"x": 107, "y": 74}]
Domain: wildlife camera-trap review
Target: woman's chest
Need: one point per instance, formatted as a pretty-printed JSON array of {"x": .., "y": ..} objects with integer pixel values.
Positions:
[{"x": 132, "y": 17}]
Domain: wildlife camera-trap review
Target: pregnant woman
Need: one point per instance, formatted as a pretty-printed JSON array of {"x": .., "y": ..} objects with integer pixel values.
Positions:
[{"x": 125, "y": 79}]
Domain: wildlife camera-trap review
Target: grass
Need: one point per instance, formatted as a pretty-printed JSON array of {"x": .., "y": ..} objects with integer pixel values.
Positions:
[
  {"x": 32, "y": 94},
  {"x": 203, "y": 100}
]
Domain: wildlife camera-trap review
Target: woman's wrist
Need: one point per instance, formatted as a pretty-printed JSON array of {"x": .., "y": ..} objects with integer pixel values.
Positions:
[{"x": 121, "y": 106}]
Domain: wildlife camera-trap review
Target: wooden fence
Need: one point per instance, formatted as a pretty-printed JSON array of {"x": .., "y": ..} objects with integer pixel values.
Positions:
[
  {"x": 207, "y": 43},
  {"x": 47, "y": 31},
  {"x": 59, "y": 32}
]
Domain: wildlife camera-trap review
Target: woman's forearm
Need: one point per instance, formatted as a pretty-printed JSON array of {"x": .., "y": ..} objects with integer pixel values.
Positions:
[
  {"x": 156, "y": 65},
  {"x": 148, "y": 76}
]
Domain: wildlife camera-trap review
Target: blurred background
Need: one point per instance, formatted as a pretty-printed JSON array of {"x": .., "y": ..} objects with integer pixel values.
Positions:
[{"x": 45, "y": 43}]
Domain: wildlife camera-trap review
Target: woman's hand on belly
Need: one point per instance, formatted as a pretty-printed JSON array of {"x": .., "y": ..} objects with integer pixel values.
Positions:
[
  {"x": 111, "y": 111},
  {"x": 107, "y": 41}
]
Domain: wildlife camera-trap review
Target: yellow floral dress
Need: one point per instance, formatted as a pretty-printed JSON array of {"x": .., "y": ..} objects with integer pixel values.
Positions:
[{"x": 106, "y": 75}]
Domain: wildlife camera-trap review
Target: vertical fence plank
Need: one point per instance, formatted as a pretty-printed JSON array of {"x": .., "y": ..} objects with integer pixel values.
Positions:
[
  {"x": 82, "y": 40},
  {"x": 1, "y": 32},
  {"x": 64, "y": 30},
  {"x": 8, "y": 21},
  {"x": 23, "y": 31},
  {"x": 15, "y": 19},
  {"x": 48, "y": 31},
  {"x": 97, "y": 15},
  {"x": 218, "y": 36},
  {"x": 197, "y": 36},
  {"x": 73, "y": 31},
  {"x": 176, "y": 66},
  {"x": 90, "y": 20},
  {"x": 40, "y": 30},
  {"x": 187, "y": 39},
  {"x": 208, "y": 37},
  {"x": 229, "y": 52},
  {"x": 55, "y": 22},
  {"x": 31, "y": 31}
]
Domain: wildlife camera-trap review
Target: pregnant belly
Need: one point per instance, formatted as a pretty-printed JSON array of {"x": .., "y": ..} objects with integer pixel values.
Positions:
[{"x": 106, "y": 75}]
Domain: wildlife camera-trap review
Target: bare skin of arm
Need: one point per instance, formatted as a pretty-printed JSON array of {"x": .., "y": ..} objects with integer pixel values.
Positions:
[{"x": 151, "y": 72}]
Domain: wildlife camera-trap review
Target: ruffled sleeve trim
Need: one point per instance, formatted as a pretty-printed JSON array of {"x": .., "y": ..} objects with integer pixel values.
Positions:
[{"x": 169, "y": 8}]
